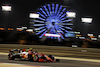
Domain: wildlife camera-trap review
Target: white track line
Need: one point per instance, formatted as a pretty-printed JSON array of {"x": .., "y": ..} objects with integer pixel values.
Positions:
[
  {"x": 67, "y": 58},
  {"x": 1, "y": 53},
  {"x": 78, "y": 59},
  {"x": 18, "y": 65}
]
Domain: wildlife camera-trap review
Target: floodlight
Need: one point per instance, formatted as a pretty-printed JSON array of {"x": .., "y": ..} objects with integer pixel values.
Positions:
[
  {"x": 24, "y": 27},
  {"x": 81, "y": 37},
  {"x": 34, "y": 15},
  {"x": 69, "y": 35},
  {"x": 87, "y": 20},
  {"x": 19, "y": 28},
  {"x": 93, "y": 38},
  {"x": 74, "y": 46},
  {"x": 90, "y": 34},
  {"x": 77, "y": 32},
  {"x": 6, "y": 8},
  {"x": 98, "y": 36},
  {"x": 29, "y": 30},
  {"x": 71, "y": 14}
]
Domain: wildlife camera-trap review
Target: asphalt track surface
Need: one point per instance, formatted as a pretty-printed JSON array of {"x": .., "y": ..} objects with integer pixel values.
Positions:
[
  {"x": 62, "y": 63},
  {"x": 56, "y": 50}
]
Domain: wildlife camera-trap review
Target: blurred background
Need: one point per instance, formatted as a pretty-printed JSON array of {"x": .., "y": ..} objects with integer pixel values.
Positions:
[{"x": 15, "y": 25}]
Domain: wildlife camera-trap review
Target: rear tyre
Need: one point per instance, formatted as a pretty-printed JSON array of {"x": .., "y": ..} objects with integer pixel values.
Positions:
[
  {"x": 51, "y": 56},
  {"x": 30, "y": 57}
]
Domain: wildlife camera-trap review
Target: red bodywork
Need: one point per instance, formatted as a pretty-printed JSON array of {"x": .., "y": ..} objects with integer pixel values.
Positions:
[{"x": 43, "y": 58}]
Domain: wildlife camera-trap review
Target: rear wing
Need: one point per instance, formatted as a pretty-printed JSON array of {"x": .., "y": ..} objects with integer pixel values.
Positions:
[{"x": 12, "y": 50}]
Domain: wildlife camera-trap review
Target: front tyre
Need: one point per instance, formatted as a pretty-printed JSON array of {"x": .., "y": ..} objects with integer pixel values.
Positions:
[
  {"x": 35, "y": 58},
  {"x": 11, "y": 57}
]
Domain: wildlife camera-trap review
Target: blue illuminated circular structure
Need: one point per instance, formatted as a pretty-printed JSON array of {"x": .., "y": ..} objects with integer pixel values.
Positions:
[{"x": 52, "y": 22}]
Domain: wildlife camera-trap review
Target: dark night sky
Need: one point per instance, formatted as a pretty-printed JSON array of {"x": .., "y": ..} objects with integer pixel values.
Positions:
[
  {"x": 87, "y": 8},
  {"x": 19, "y": 16}
]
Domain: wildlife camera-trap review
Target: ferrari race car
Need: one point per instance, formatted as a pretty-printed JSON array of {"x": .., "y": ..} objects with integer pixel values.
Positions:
[{"x": 30, "y": 55}]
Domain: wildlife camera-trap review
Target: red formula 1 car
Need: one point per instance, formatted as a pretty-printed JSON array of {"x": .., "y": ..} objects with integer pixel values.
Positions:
[{"x": 30, "y": 55}]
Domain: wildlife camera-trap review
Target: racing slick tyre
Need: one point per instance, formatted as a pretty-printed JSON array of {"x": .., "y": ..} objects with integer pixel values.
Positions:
[
  {"x": 30, "y": 57},
  {"x": 35, "y": 58},
  {"x": 11, "y": 57}
]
